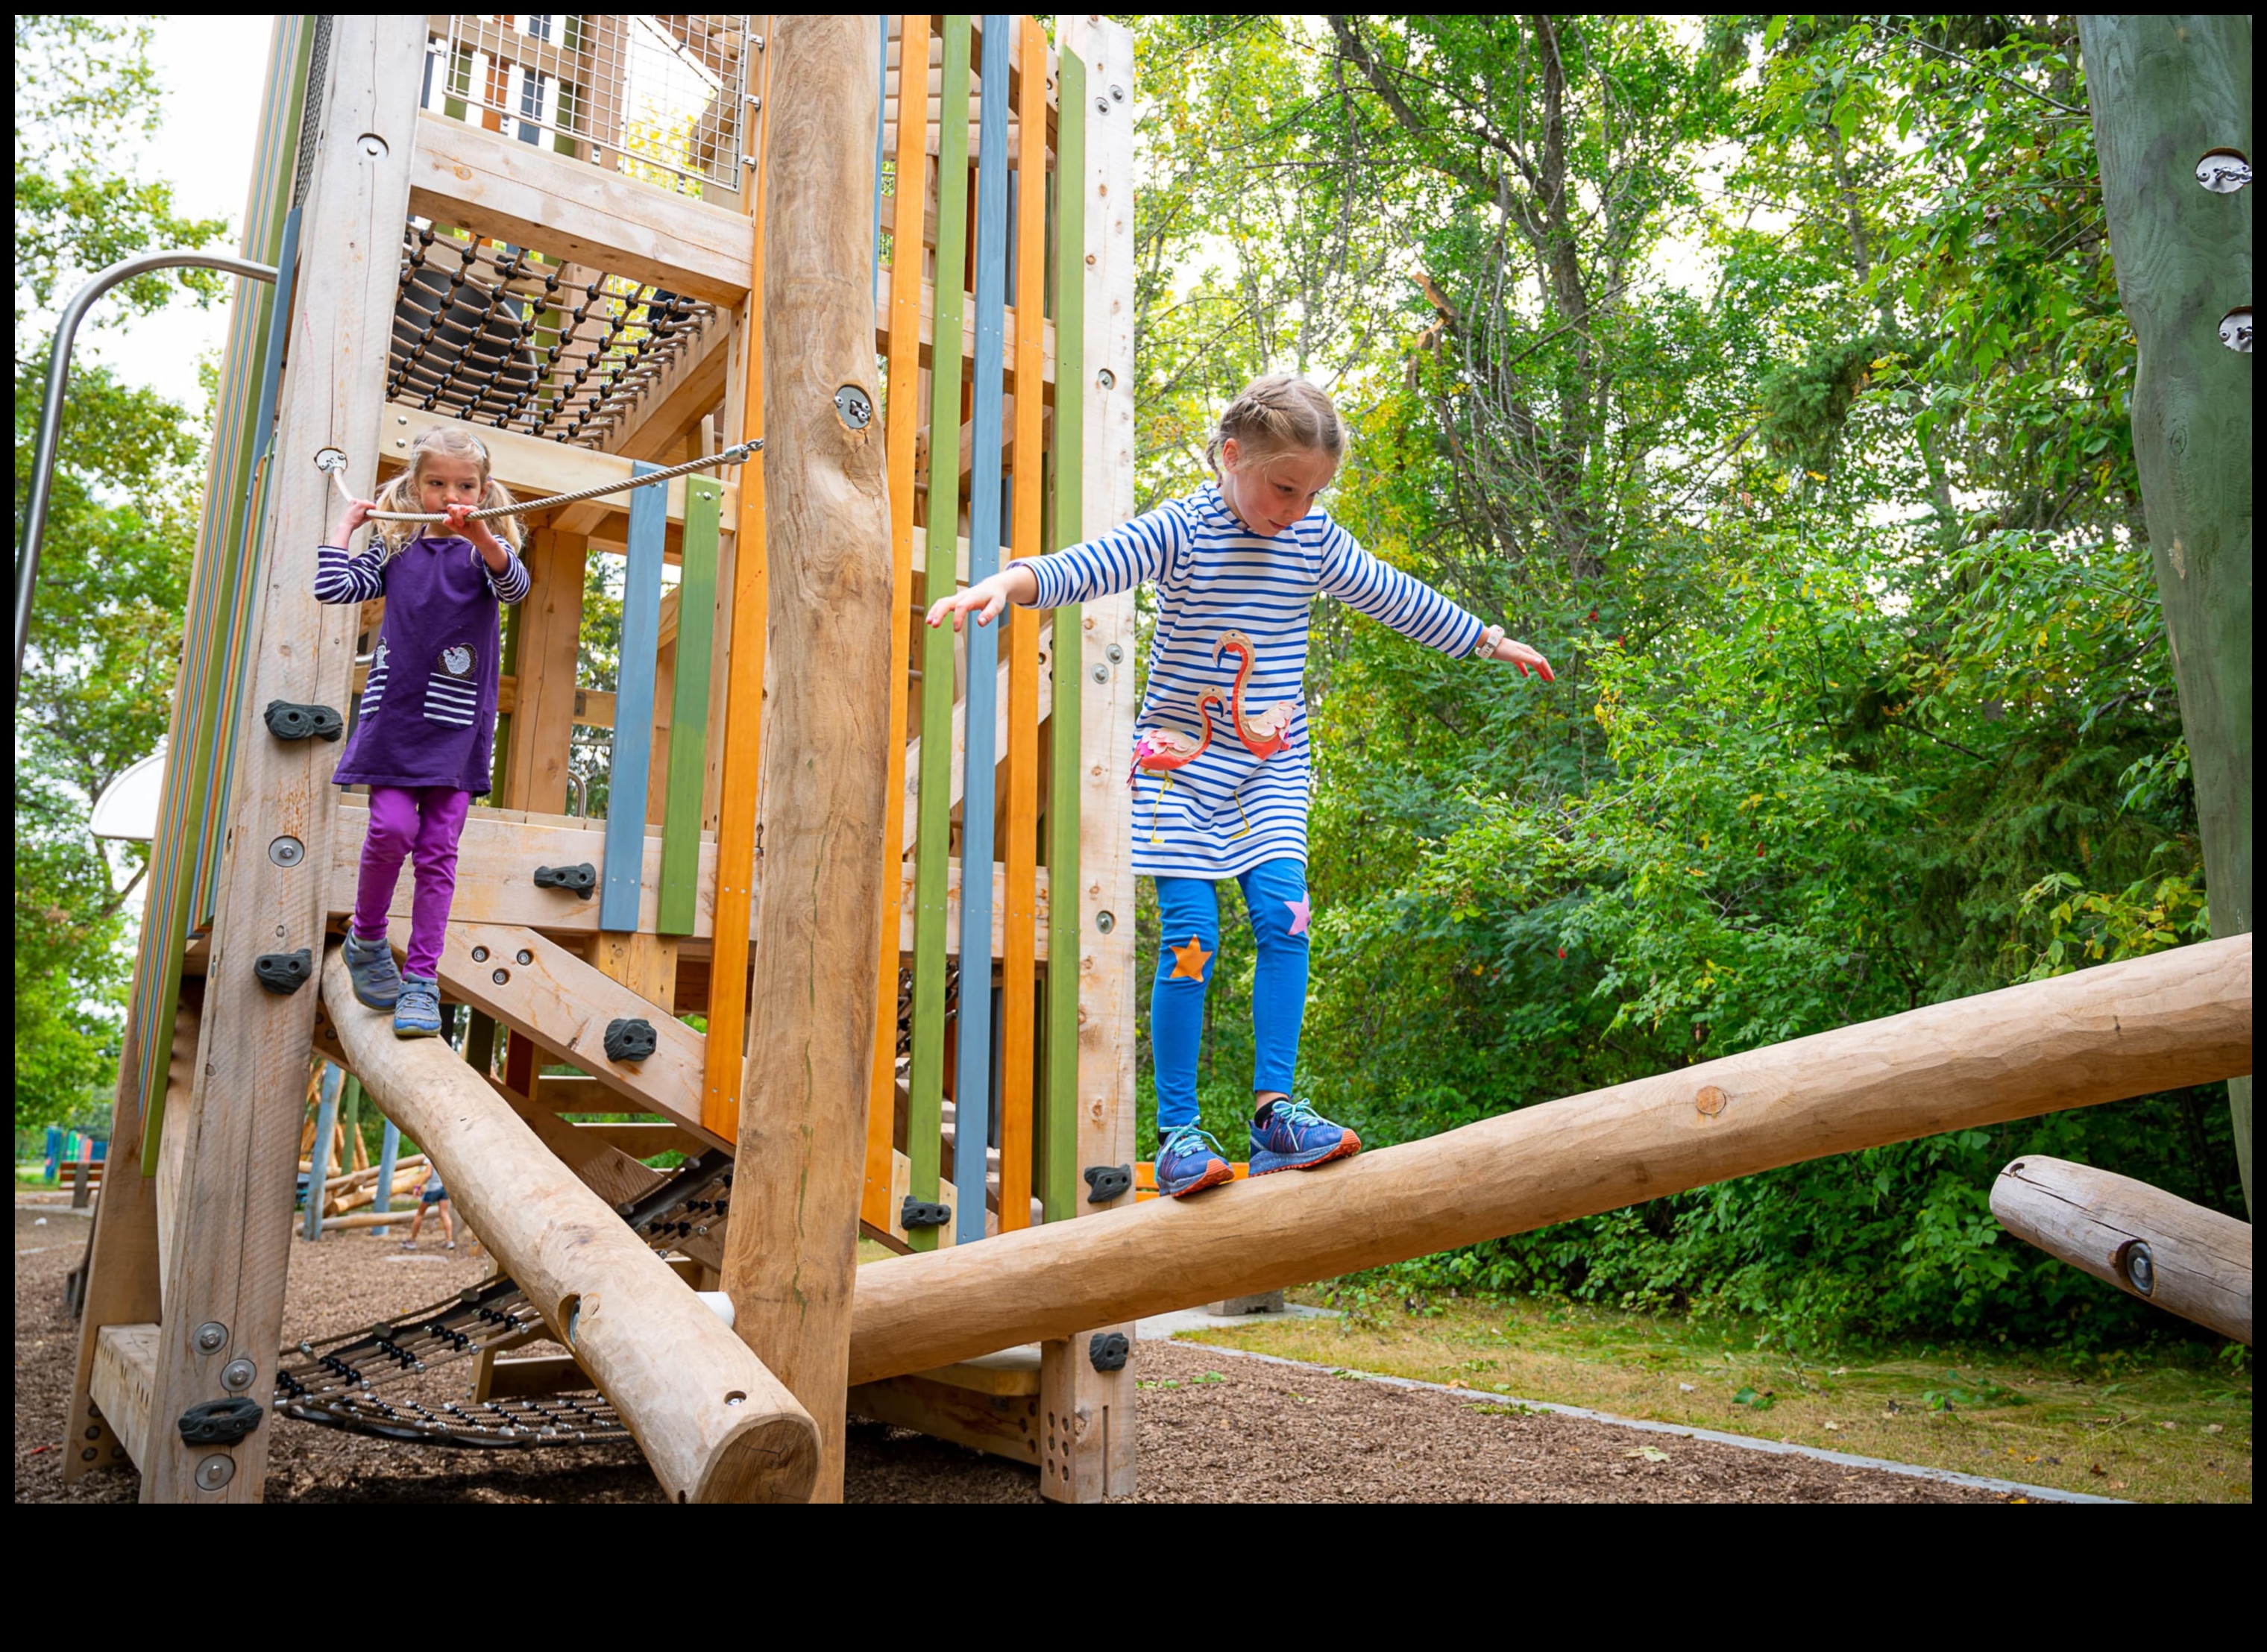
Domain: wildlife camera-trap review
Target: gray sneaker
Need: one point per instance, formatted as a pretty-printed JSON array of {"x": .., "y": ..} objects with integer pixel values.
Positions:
[
  {"x": 369, "y": 966},
  {"x": 418, "y": 1014}
]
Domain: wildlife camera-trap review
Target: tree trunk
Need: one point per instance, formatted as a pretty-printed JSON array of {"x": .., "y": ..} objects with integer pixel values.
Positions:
[{"x": 2164, "y": 90}]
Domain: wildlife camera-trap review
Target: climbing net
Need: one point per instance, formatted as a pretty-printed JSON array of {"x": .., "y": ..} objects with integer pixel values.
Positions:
[
  {"x": 366, "y": 1382},
  {"x": 505, "y": 336}
]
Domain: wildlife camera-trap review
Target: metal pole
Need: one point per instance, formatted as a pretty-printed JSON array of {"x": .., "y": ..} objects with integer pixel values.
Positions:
[
  {"x": 51, "y": 409},
  {"x": 318, "y": 1161},
  {"x": 388, "y": 1150}
]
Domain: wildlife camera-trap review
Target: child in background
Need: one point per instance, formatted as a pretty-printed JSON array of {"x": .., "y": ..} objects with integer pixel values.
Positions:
[
  {"x": 1221, "y": 790},
  {"x": 425, "y": 742}
]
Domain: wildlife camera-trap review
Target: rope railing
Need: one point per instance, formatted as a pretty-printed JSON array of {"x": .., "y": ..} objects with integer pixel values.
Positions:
[{"x": 334, "y": 462}]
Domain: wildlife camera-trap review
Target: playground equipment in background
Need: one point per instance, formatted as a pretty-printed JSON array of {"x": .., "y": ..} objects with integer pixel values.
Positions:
[{"x": 603, "y": 298}]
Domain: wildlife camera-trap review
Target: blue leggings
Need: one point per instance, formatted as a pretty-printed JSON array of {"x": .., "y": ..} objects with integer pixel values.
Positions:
[{"x": 1275, "y": 900}]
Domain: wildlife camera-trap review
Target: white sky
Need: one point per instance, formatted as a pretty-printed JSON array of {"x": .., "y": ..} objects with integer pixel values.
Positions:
[{"x": 211, "y": 68}]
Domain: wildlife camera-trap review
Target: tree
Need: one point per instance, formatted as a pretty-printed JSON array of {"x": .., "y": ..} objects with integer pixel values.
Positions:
[{"x": 106, "y": 634}]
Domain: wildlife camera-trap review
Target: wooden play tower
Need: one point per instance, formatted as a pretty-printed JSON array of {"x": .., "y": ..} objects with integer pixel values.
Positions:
[{"x": 606, "y": 244}]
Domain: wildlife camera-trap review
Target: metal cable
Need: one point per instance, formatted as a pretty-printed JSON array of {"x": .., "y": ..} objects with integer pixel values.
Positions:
[{"x": 335, "y": 462}]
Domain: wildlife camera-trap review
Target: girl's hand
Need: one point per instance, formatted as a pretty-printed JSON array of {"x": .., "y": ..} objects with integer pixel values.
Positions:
[
  {"x": 483, "y": 540},
  {"x": 987, "y": 597},
  {"x": 358, "y": 513},
  {"x": 1496, "y": 646}
]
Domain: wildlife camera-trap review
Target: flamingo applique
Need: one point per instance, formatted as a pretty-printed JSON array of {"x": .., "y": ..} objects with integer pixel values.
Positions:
[
  {"x": 1270, "y": 732},
  {"x": 1161, "y": 751}
]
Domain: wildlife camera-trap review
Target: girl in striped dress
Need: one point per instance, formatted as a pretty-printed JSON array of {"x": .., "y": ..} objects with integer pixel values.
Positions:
[
  {"x": 425, "y": 739},
  {"x": 1222, "y": 772}
]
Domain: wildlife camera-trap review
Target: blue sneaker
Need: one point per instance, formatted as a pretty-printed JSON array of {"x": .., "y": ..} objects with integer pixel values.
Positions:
[
  {"x": 369, "y": 966},
  {"x": 1189, "y": 1162},
  {"x": 1295, "y": 1137},
  {"x": 417, "y": 1015}
]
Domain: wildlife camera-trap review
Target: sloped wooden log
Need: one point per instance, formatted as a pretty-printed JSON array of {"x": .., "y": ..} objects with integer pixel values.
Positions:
[
  {"x": 2104, "y": 1034},
  {"x": 715, "y": 1425},
  {"x": 2177, "y": 1256}
]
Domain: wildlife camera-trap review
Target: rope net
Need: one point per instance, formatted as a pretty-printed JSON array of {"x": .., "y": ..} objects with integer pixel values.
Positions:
[
  {"x": 383, "y": 1381},
  {"x": 508, "y": 337}
]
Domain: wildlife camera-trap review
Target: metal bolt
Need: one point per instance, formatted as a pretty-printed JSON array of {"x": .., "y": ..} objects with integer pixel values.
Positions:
[
  {"x": 736, "y": 1398},
  {"x": 1105, "y": 922},
  {"x": 1101, "y": 104},
  {"x": 287, "y": 851},
  {"x": 212, "y": 1337},
  {"x": 852, "y": 403},
  {"x": 88, "y": 1455},
  {"x": 2140, "y": 1268},
  {"x": 499, "y": 976},
  {"x": 480, "y": 955},
  {"x": 401, "y": 418},
  {"x": 1115, "y": 653},
  {"x": 94, "y": 1432},
  {"x": 237, "y": 1375},
  {"x": 1117, "y": 94},
  {"x": 2235, "y": 329},
  {"x": 2223, "y": 171},
  {"x": 526, "y": 957},
  {"x": 215, "y": 1471},
  {"x": 1102, "y": 673},
  {"x": 371, "y": 144}
]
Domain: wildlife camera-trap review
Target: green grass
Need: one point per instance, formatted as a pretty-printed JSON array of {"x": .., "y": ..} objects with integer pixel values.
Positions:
[{"x": 2169, "y": 1425}]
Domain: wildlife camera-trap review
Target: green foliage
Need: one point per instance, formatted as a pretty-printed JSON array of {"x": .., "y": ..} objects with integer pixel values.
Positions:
[
  {"x": 105, "y": 631},
  {"x": 1798, "y": 444}
]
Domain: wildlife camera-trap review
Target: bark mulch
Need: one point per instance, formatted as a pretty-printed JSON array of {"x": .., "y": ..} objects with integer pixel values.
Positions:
[{"x": 1215, "y": 1426}]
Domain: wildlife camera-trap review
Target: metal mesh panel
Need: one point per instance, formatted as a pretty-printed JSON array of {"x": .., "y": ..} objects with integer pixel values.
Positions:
[
  {"x": 310, "y": 115},
  {"x": 658, "y": 98}
]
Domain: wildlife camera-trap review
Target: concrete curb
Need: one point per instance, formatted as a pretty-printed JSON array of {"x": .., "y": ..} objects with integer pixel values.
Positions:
[{"x": 2036, "y": 1493}]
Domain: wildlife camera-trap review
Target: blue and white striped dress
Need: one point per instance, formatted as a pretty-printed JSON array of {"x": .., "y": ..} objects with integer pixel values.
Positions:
[{"x": 1228, "y": 810}]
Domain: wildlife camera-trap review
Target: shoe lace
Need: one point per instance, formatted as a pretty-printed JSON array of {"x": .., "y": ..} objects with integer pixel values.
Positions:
[
  {"x": 1297, "y": 1113},
  {"x": 1184, "y": 1137},
  {"x": 417, "y": 995}
]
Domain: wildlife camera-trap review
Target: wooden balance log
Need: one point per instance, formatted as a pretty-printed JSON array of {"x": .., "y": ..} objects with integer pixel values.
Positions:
[
  {"x": 2180, "y": 1257},
  {"x": 715, "y": 1424},
  {"x": 2102, "y": 1034}
]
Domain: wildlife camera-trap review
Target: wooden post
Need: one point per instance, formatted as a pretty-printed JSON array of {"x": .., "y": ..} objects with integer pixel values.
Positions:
[
  {"x": 550, "y": 626},
  {"x": 715, "y": 1425},
  {"x": 2180, "y": 1257},
  {"x": 223, "y": 1296},
  {"x": 2102, "y": 1034},
  {"x": 389, "y": 1150},
  {"x": 792, "y": 1250},
  {"x": 1089, "y": 1413},
  {"x": 2164, "y": 89}
]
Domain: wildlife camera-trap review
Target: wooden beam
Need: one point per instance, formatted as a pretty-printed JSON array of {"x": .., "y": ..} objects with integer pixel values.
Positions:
[
  {"x": 2102, "y": 1034},
  {"x": 228, "y": 1258},
  {"x": 1019, "y": 371},
  {"x": 550, "y": 632},
  {"x": 125, "y": 1377},
  {"x": 2164, "y": 88},
  {"x": 534, "y": 466},
  {"x": 1003, "y": 1425},
  {"x": 2172, "y": 1254},
  {"x": 466, "y": 179},
  {"x": 564, "y": 1005},
  {"x": 1091, "y": 1453},
  {"x": 792, "y": 1249},
  {"x": 714, "y": 1424}
]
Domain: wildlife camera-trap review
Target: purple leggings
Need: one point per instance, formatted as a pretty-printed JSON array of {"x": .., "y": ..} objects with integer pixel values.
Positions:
[{"x": 424, "y": 824}]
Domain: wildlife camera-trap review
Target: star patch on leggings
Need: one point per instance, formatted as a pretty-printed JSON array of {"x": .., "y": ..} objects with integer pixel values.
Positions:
[
  {"x": 1189, "y": 961},
  {"x": 1300, "y": 913}
]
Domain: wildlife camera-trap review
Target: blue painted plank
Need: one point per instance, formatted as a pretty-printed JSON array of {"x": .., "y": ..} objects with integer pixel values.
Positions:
[
  {"x": 973, "y": 1080},
  {"x": 881, "y": 119},
  {"x": 318, "y": 1161},
  {"x": 634, "y": 694},
  {"x": 389, "y": 1149}
]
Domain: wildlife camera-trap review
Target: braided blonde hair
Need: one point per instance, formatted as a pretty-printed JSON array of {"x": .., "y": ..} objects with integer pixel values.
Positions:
[
  {"x": 1278, "y": 413},
  {"x": 402, "y": 493}
]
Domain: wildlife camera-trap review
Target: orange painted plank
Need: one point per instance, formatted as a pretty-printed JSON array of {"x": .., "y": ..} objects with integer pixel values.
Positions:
[
  {"x": 742, "y": 734},
  {"x": 1019, "y": 963},
  {"x": 902, "y": 431}
]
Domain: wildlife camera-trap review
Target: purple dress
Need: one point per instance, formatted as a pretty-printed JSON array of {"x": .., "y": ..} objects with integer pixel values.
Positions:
[{"x": 428, "y": 712}]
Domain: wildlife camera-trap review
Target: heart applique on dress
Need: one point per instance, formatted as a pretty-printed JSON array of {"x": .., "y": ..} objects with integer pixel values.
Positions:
[{"x": 457, "y": 661}]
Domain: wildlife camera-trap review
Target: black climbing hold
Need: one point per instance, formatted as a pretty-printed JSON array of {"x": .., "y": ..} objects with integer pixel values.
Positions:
[
  {"x": 629, "y": 1039},
  {"x": 1108, "y": 1349},
  {"x": 1106, "y": 1182},
  {"x": 284, "y": 973},
  {"x": 917, "y": 1215},
  {"x": 289, "y": 722},
  {"x": 579, "y": 880},
  {"x": 220, "y": 1421}
]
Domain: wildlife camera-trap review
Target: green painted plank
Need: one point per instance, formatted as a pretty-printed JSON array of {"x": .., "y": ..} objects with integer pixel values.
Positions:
[
  {"x": 925, "y": 1114},
  {"x": 688, "y": 707},
  {"x": 1058, "y": 1173}
]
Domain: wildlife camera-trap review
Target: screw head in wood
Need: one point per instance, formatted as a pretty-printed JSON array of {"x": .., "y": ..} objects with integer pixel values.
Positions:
[
  {"x": 2138, "y": 1266},
  {"x": 480, "y": 955},
  {"x": 1106, "y": 378},
  {"x": 499, "y": 976},
  {"x": 237, "y": 1375},
  {"x": 287, "y": 851},
  {"x": 212, "y": 1337},
  {"x": 1105, "y": 922},
  {"x": 1102, "y": 673},
  {"x": 215, "y": 1471},
  {"x": 1710, "y": 1100},
  {"x": 88, "y": 1455},
  {"x": 526, "y": 957}
]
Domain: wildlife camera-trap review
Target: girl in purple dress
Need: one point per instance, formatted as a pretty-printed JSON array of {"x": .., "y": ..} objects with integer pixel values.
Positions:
[{"x": 425, "y": 742}]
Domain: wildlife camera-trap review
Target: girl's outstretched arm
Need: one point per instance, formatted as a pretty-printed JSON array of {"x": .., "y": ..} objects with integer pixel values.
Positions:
[
  {"x": 342, "y": 577},
  {"x": 1119, "y": 561},
  {"x": 1411, "y": 606}
]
